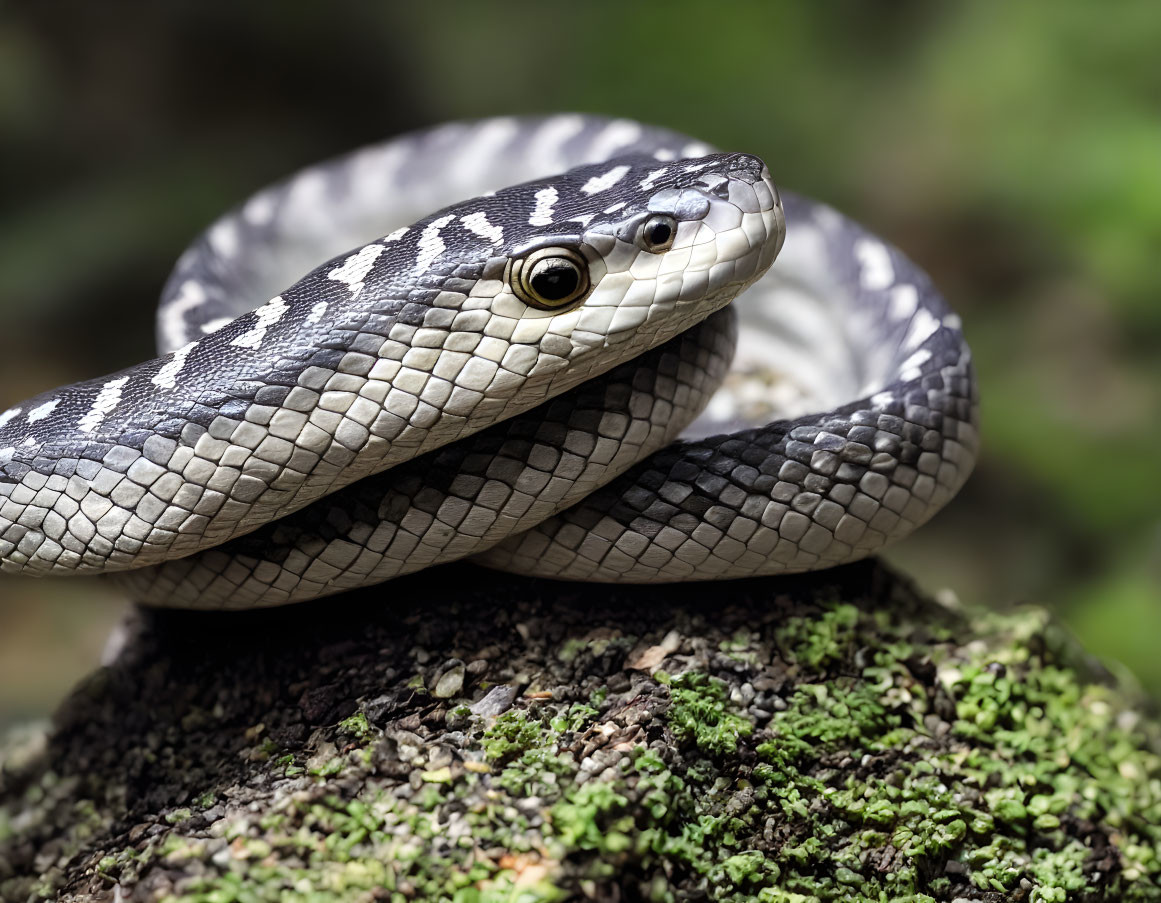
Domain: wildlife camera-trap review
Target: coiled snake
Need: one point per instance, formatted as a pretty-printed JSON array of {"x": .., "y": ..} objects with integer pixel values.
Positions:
[{"x": 505, "y": 378}]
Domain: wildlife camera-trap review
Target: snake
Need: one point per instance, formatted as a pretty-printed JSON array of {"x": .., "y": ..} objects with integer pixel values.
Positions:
[{"x": 570, "y": 346}]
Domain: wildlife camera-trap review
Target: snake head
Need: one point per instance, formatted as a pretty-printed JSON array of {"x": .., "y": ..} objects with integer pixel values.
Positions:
[{"x": 555, "y": 280}]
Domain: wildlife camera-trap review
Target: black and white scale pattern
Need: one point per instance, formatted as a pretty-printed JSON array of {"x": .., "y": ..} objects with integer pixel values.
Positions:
[
  {"x": 804, "y": 493},
  {"x": 464, "y": 498},
  {"x": 408, "y": 338}
]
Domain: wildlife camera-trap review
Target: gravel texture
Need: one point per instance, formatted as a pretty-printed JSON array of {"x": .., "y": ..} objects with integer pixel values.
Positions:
[{"x": 473, "y": 737}]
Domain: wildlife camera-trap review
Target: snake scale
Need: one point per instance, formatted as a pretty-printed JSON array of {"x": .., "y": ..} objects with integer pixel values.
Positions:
[{"x": 539, "y": 376}]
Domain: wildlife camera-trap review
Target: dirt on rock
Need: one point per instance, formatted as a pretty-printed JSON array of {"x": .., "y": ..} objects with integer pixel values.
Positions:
[{"x": 469, "y": 736}]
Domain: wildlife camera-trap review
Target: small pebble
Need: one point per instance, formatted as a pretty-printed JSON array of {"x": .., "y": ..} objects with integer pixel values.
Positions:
[
  {"x": 450, "y": 682},
  {"x": 495, "y": 702}
]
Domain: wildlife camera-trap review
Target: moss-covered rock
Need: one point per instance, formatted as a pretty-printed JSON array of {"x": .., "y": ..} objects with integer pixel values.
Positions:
[{"x": 471, "y": 737}]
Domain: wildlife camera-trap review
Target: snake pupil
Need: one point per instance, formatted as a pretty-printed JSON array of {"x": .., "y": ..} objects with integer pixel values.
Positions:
[
  {"x": 659, "y": 233},
  {"x": 555, "y": 282},
  {"x": 550, "y": 278}
]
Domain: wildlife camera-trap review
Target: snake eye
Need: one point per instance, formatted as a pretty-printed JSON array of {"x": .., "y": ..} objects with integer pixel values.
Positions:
[
  {"x": 658, "y": 233},
  {"x": 549, "y": 279}
]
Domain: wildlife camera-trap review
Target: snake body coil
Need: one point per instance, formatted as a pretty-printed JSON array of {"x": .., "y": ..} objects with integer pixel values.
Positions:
[{"x": 504, "y": 378}]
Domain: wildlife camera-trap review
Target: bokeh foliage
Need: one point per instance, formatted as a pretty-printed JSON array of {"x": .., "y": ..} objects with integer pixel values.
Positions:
[{"x": 1012, "y": 149}]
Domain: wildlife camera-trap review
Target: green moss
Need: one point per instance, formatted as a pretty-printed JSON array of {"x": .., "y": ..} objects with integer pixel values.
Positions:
[
  {"x": 510, "y": 735},
  {"x": 845, "y": 756},
  {"x": 357, "y": 726},
  {"x": 327, "y": 768},
  {"x": 571, "y": 649},
  {"x": 1045, "y": 745},
  {"x": 503, "y": 889},
  {"x": 820, "y": 640},
  {"x": 531, "y": 748},
  {"x": 594, "y": 816},
  {"x": 577, "y": 716},
  {"x": 843, "y": 714},
  {"x": 699, "y": 714}
]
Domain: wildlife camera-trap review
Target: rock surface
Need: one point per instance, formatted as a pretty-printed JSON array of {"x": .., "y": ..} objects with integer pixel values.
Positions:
[{"x": 473, "y": 737}]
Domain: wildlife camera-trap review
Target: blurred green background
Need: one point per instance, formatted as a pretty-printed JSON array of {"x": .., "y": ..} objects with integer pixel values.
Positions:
[{"x": 1014, "y": 150}]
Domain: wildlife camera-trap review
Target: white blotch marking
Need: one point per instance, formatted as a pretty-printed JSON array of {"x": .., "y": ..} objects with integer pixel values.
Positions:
[
  {"x": 664, "y": 154},
  {"x": 430, "y": 243},
  {"x": 696, "y": 149},
  {"x": 952, "y": 321},
  {"x": 259, "y": 210},
  {"x": 372, "y": 175},
  {"x": 904, "y": 302},
  {"x": 190, "y": 295},
  {"x": 918, "y": 359},
  {"x": 264, "y": 317},
  {"x": 882, "y": 399},
  {"x": 875, "y": 270},
  {"x": 316, "y": 313},
  {"x": 598, "y": 184},
  {"x": 828, "y": 219},
  {"x": 166, "y": 377},
  {"x": 648, "y": 181},
  {"x": 695, "y": 167},
  {"x": 304, "y": 198},
  {"x": 478, "y": 223},
  {"x": 584, "y": 219},
  {"x": 485, "y": 144},
  {"x": 923, "y": 327},
  {"x": 396, "y": 235},
  {"x": 224, "y": 238},
  {"x": 107, "y": 399},
  {"x": 215, "y": 324},
  {"x": 911, "y": 366},
  {"x": 356, "y": 267},
  {"x": 6, "y": 454},
  {"x": 8, "y": 416},
  {"x": 614, "y": 208},
  {"x": 43, "y": 410},
  {"x": 613, "y": 137},
  {"x": 542, "y": 213},
  {"x": 546, "y": 149}
]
